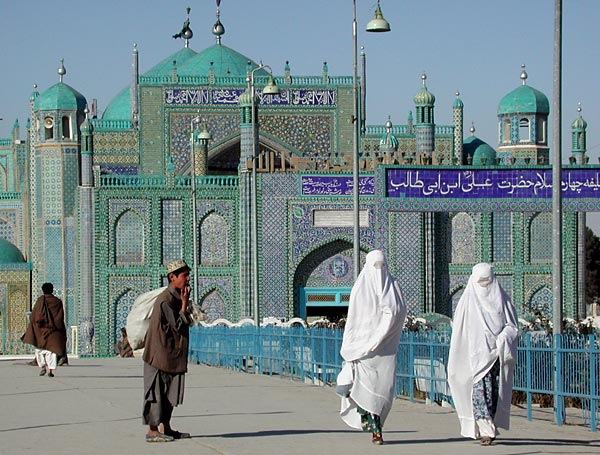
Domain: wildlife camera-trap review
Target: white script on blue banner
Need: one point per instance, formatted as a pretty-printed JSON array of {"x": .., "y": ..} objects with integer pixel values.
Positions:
[
  {"x": 493, "y": 183},
  {"x": 230, "y": 96},
  {"x": 316, "y": 185}
]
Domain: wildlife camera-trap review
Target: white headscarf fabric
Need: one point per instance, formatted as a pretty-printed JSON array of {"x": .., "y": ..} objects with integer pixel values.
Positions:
[
  {"x": 376, "y": 315},
  {"x": 484, "y": 329}
]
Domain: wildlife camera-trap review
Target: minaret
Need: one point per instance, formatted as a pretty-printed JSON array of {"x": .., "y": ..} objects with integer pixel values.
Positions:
[
  {"x": 457, "y": 116},
  {"x": 85, "y": 250},
  {"x": 578, "y": 135},
  {"x": 325, "y": 73},
  {"x": 425, "y": 123},
  {"x": 248, "y": 145},
  {"x": 287, "y": 78},
  {"x": 54, "y": 160},
  {"x": 135, "y": 71}
]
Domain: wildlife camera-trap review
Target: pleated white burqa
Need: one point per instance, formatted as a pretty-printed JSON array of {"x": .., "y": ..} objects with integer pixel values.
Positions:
[
  {"x": 376, "y": 315},
  {"x": 484, "y": 330}
]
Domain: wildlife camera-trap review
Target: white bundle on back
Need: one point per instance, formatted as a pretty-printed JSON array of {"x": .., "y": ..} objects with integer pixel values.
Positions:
[{"x": 138, "y": 318}]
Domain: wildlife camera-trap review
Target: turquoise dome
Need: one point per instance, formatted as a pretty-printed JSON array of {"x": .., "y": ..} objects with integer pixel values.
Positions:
[
  {"x": 60, "y": 97},
  {"x": 478, "y": 149},
  {"x": 388, "y": 142},
  {"x": 86, "y": 127},
  {"x": 120, "y": 106},
  {"x": 424, "y": 97},
  {"x": 9, "y": 254},
  {"x": 579, "y": 123},
  {"x": 245, "y": 98},
  {"x": 225, "y": 63},
  {"x": 165, "y": 67},
  {"x": 524, "y": 100}
]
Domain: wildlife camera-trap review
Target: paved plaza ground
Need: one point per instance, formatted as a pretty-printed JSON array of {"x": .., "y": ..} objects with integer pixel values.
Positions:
[{"x": 93, "y": 407}]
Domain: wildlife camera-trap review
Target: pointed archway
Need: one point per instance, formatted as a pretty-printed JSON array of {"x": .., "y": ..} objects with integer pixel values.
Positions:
[{"x": 323, "y": 280}]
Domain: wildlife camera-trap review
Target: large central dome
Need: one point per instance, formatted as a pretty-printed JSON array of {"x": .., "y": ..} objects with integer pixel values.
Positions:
[{"x": 224, "y": 61}]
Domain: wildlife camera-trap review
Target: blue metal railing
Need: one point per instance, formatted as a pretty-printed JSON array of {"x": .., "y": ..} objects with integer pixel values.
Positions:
[{"x": 560, "y": 366}]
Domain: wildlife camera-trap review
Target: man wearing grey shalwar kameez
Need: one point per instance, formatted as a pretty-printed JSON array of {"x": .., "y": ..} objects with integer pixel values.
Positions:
[{"x": 165, "y": 355}]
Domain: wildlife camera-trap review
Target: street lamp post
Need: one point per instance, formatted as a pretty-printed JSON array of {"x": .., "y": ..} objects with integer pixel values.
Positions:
[
  {"x": 377, "y": 24},
  {"x": 270, "y": 89}
]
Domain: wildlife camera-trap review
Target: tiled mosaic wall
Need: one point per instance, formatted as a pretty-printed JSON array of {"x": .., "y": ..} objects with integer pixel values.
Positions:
[{"x": 148, "y": 225}]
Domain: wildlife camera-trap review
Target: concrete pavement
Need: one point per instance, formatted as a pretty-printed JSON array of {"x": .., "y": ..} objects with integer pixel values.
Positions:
[{"x": 93, "y": 407}]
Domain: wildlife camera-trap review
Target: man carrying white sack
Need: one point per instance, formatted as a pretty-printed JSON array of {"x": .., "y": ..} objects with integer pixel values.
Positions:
[
  {"x": 376, "y": 314},
  {"x": 483, "y": 351}
]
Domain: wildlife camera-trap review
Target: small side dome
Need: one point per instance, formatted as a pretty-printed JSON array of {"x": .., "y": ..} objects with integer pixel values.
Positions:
[
  {"x": 458, "y": 104},
  {"x": 579, "y": 123},
  {"x": 120, "y": 106},
  {"x": 424, "y": 97},
  {"x": 388, "y": 142},
  {"x": 9, "y": 253},
  {"x": 60, "y": 97},
  {"x": 524, "y": 100},
  {"x": 245, "y": 98},
  {"x": 86, "y": 127},
  {"x": 480, "y": 152}
]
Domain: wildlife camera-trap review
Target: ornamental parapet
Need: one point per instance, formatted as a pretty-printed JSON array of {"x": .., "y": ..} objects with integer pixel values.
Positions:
[
  {"x": 9, "y": 196},
  {"x": 236, "y": 81},
  {"x": 161, "y": 181},
  {"x": 111, "y": 125}
]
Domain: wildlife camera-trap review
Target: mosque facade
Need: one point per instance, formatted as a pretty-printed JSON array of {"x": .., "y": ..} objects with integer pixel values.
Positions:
[{"x": 195, "y": 159}]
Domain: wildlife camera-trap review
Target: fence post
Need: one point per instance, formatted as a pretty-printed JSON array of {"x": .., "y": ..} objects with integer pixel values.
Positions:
[
  {"x": 411, "y": 359},
  {"x": 431, "y": 368},
  {"x": 593, "y": 384},
  {"x": 528, "y": 373},
  {"x": 559, "y": 405}
]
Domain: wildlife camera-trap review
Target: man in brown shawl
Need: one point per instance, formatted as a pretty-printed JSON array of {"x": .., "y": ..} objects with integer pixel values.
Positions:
[
  {"x": 165, "y": 355},
  {"x": 46, "y": 330}
]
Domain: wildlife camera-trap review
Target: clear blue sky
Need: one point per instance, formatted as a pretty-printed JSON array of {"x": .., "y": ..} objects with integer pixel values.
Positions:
[{"x": 473, "y": 46}]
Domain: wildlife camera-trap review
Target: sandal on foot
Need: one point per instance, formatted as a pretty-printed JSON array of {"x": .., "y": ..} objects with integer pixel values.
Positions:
[
  {"x": 178, "y": 435},
  {"x": 486, "y": 441},
  {"x": 43, "y": 372},
  {"x": 377, "y": 439},
  {"x": 159, "y": 438}
]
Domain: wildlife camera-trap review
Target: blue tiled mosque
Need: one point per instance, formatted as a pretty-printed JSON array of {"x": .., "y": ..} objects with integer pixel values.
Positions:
[{"x": 255, "y": 190}]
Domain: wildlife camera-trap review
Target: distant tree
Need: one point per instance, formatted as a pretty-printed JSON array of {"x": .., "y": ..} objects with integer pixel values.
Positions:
[{"x": 592, "y": 265}]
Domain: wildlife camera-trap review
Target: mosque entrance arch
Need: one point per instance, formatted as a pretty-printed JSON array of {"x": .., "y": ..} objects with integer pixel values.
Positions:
[{"x": 323, "y": 280}]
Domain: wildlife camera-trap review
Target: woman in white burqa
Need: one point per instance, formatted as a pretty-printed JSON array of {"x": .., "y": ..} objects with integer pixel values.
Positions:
[
  {"x": 482, "y": 356},
  {"x": 376, "y": 315}
]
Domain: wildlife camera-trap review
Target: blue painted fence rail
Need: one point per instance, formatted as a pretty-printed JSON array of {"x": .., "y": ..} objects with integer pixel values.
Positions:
[{"x": 313, "y": 355}]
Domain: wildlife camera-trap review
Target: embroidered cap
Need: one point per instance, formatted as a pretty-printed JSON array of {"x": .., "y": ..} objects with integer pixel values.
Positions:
[{"x": 176, "y": 264}]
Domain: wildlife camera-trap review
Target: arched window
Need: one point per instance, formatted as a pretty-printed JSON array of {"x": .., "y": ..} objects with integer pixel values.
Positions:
[
  {"x": 129, "y": 239},
  {"x": 524, "y": 133},
  {"x": 213, "y": 240},
  {"x": 214, "y": 306},
  {"x": 3, "y": 179},
  {"x": 540, "y": 232},
  {"x": 541, "y": 302},
  {"x": 541, "y": 131},
  {"x": 66, "y": 127},
  {"x": 7, "y": 230},
  {"x": 506, "y": 131},
  {"x": 462, "y": 238},
  {"x": 122, "y": 308},
  {"x": 502, "y": 236},
  {"x": 48, "y": 128}
]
